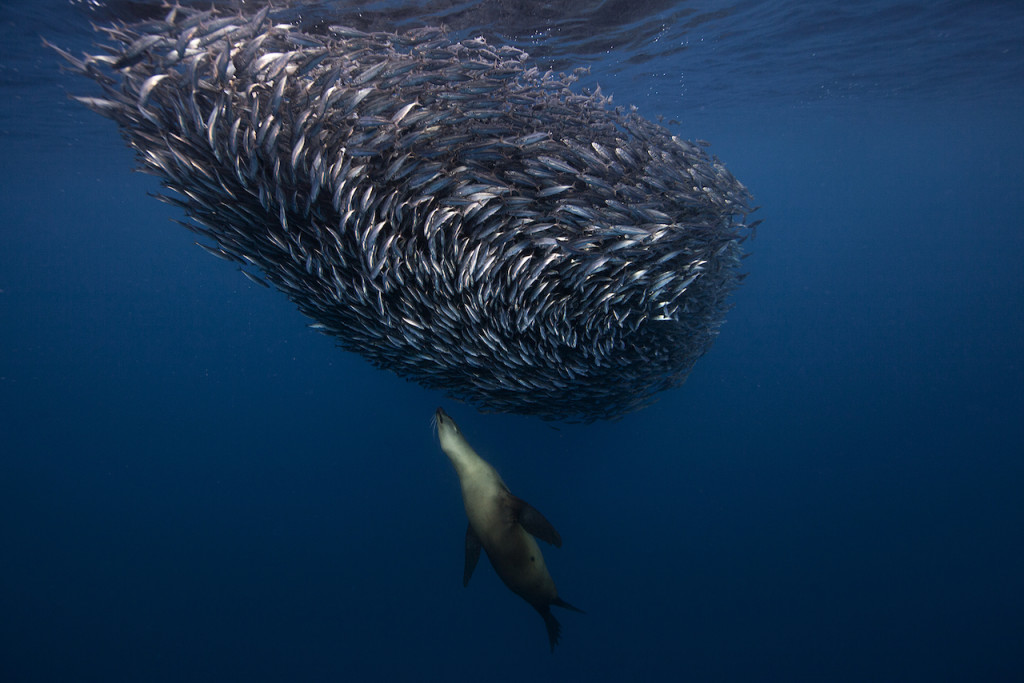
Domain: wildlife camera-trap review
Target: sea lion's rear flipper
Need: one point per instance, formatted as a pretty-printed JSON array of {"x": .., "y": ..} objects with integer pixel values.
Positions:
[
  {"x": 554, "y": 628},
  {"x": 562, "y": 603},
  {"x": 472, "y": 554},
  {"x": 534, "y": 522}
]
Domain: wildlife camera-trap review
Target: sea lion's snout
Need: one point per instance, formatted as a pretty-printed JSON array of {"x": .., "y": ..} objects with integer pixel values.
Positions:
[
  {"x": 445, "y": 422},
  {"x": 447, "y": 431}
]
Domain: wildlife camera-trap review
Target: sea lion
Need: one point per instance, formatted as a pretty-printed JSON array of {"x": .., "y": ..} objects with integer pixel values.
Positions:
[{"x": 504, "y": 526}]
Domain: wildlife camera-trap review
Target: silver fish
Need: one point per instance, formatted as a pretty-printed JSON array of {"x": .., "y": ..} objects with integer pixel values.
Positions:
[{"x": 445, "y": 209}]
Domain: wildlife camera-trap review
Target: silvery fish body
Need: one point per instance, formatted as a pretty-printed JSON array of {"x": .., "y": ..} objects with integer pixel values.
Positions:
[{"x": 442, "y": 208}]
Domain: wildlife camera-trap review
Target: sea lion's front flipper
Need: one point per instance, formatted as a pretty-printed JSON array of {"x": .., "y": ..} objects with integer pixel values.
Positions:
[
  {"x": 534, "y": 522},
  {"x": 472, "y": 554}
]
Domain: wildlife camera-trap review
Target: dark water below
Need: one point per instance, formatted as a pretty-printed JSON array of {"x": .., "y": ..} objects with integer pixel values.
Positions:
[{"x": 194, "y": 486}]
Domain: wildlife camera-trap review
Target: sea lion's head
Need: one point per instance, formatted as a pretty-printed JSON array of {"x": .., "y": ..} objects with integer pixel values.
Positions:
[{"x": 447, "y": 431}]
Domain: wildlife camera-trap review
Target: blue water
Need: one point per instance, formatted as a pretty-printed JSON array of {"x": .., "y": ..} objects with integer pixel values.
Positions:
[{"x": 195, "y": 486}]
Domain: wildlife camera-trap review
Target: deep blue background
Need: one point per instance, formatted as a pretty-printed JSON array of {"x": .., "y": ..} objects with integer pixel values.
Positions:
[{"x": 194, "y": 486}]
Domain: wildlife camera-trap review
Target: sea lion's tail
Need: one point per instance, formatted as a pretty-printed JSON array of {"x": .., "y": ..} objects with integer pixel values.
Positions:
[{"x": 554, "y": 628}]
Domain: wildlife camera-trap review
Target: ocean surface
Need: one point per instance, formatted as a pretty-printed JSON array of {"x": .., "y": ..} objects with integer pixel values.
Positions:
[{"x": 195, "y": 486}]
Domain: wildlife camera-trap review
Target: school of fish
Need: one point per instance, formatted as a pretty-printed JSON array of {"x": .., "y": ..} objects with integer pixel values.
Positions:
[{"x": 443, "y": 208}]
